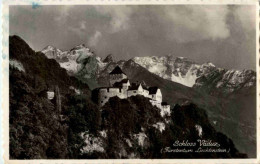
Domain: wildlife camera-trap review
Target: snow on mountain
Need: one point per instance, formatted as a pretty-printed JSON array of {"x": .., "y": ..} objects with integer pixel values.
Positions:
[
  {"x": 76, "y": 60},
  {"x": 153, "y": 64},
  {"x": 16, "y": 64},
  {"x": 179, "y": 69},
  {"x": 82, "y": 62},
  {"x": 186, "y": 72},
  {"x": 188, "y": 80},
  {"x": 52, "y": 52}
]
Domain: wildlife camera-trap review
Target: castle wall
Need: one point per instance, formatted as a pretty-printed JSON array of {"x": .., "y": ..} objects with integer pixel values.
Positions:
[
  {"x": 133, "y": 93},
  {"x": 146, "y": 93},
  {"x": 157, "y": 96},
  {"x": 126, "y": 85},
  {"x": 123, "y": 94},
  {"x": 139, "y": 91},
  {"x": 165, "y": 110},
  {"x": 156, "y": 103},
  {"x": 106, "y": 93}
]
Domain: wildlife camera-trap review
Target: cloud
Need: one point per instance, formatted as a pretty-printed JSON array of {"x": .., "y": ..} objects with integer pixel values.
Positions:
[
  {"x": 247, "y": 16},
  {"x": 191, "y": 23},
  {"x": 95, "y": 39},
  {"x": 79, "y": 28},
  {"x": 201, "y": 32},
  {"x": 180, "y": 23},
  {"x": 82, "y": 25},
  {"x": 120, "y": 16},
  {"x": 64, "y": 13}
]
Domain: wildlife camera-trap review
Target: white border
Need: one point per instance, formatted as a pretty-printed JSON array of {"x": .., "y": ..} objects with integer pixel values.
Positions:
[{"x": 5, "y": 75}]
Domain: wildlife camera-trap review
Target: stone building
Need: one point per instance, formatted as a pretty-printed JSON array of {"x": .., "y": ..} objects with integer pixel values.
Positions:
[
  {"x": 155, "y": 94},
  {"x": 50, "y": 94},
  {"x": 117, "y": 75},
  {"x": 121, "y": 87}
]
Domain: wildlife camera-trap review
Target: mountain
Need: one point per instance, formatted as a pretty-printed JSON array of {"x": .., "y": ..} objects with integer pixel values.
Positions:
[
  {"x": 205, "y": 76},
  {"x": 52, "y": 52},
  {"x": 79, "y": 61},
  {"x": 228, "y": 96},
  {"x": 233, "y": 115},
  {"x": 226, "y": 81},
  {"x": 35, "y": 121},
  {"x": 136, "y": 122},
  {"x": 71, "y": 126},
  {"x": 72, "y": 60},
  {"x": 108, "y": 59},
  {"x": 84, "y": 64}
]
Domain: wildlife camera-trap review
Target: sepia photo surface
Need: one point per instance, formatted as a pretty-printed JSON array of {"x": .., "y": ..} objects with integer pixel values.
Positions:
[{"x": 108, "y": 82}]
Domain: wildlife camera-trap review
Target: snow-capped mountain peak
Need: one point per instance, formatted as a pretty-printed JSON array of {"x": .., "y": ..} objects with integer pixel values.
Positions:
[
  {"x": 109, "y": 58},
  {"x": 184, "y": 71},
  {"x": 47, "y": 48},
  {"x": 78, "y": 60},
  {"x": 72, "y": 60},
  {"x": 81, "y": 61},
  {"x": 52, "y": 52},
  {"x": 80, "y": 47},
  {"x": 211, "y": 64},
  {"x": 177, "y": 69}
]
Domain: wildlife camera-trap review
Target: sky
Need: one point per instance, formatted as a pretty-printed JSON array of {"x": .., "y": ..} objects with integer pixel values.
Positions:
[{"x": 222, "y": 34}]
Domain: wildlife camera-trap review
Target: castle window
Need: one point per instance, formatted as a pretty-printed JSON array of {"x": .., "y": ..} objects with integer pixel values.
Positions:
[
  {"x": 134, "y": 91},
  {"x": 105, "y": 97},
  {"x": 101, "y": 101}
]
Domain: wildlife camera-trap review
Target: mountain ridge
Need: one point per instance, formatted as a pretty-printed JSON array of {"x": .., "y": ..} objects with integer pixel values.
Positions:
[
  {"x": 206, "y": 76},
  {"x": 75, "y": 127},
  {"x": 222, "y": 103},
  {"x": 189, "y": 73}
]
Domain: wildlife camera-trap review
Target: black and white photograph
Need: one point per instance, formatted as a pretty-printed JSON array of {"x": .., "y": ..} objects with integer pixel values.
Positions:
[{"x": 127, "y": 81}]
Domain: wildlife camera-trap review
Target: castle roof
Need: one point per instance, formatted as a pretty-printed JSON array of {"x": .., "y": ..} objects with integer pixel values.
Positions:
[
  {"x": 164, "y": 103},
  {"x": 153, "y": 90},
  {"x": 117, "y": 70},
  {"x": 134, "y": 86}
]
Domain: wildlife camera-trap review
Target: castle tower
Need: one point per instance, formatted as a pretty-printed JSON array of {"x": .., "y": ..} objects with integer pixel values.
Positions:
[
  {"x": 116, "y": 75},
  {"x": 156, "y": 94}
]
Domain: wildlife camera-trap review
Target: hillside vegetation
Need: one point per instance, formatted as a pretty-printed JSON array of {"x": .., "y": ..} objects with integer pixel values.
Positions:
[{"x": 128, "y": 128}]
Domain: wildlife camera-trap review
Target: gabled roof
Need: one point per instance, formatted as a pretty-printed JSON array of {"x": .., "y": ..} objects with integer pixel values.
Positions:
[
  {"x": 117, "y": 70},
  {"x": 124, "y": 81},
  {"x": 153, "y": 90},
  {"x": 134, "y": 86}
]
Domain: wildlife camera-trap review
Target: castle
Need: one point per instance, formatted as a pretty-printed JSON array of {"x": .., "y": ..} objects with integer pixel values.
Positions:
[{"x": 121, "y": 87}]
